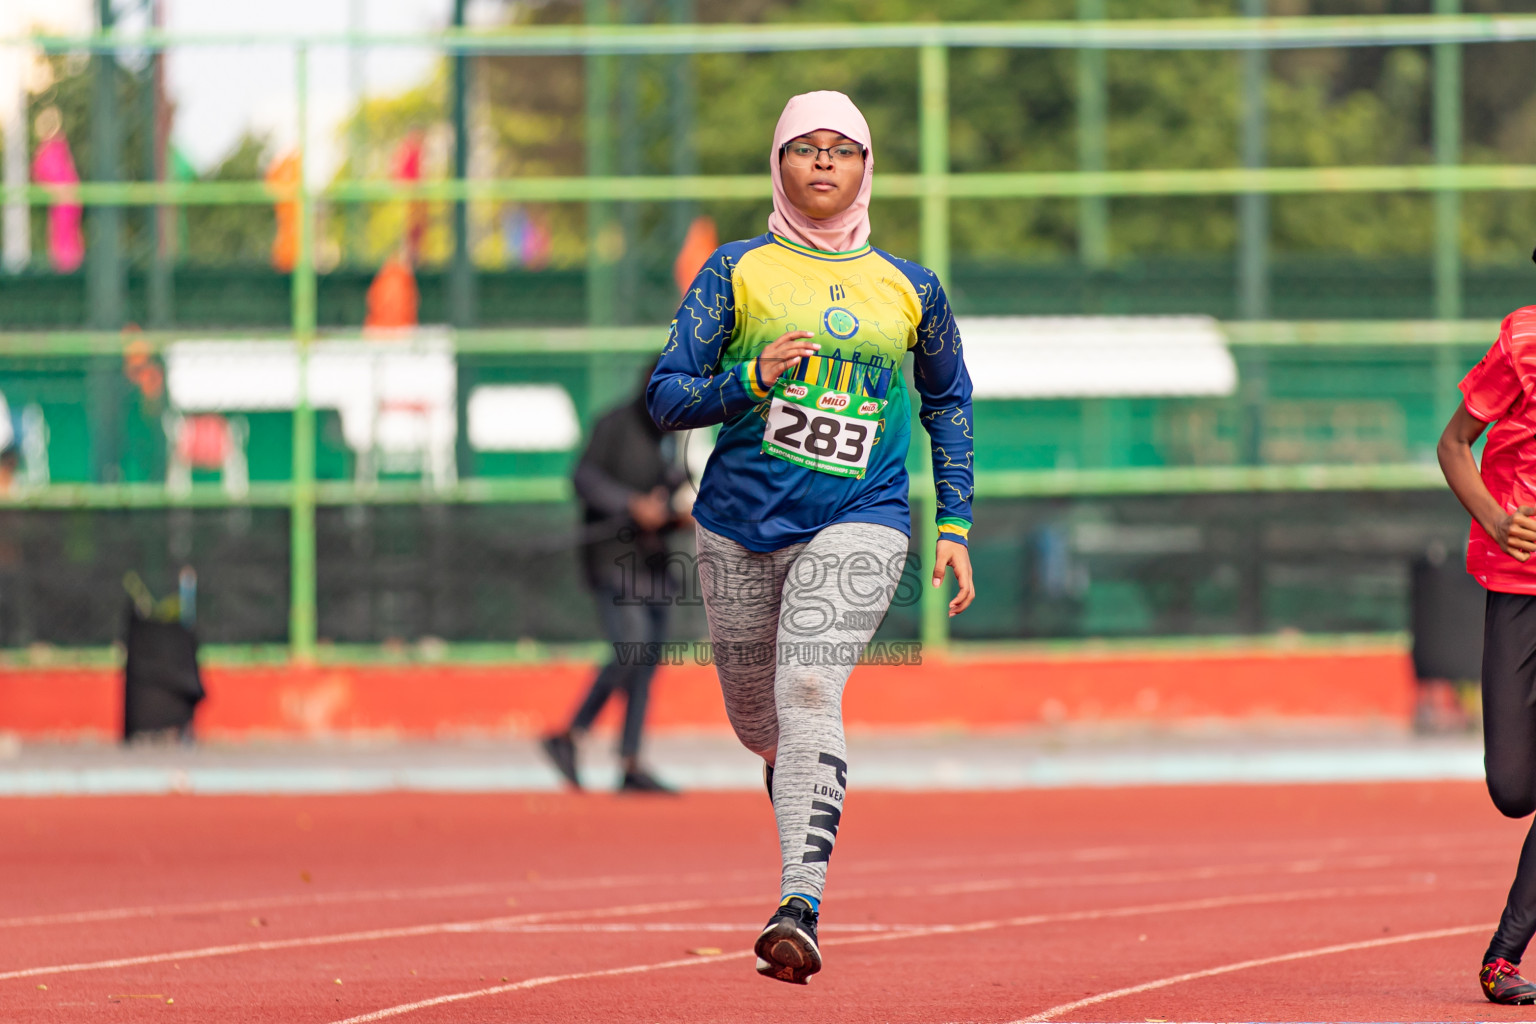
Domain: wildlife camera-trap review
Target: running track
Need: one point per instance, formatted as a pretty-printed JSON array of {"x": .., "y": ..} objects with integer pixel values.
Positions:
[{"x": 1357, "y": 902}]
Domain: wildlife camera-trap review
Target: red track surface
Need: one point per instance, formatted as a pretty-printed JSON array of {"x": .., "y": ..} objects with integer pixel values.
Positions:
[{"x": 943, "y": 907}]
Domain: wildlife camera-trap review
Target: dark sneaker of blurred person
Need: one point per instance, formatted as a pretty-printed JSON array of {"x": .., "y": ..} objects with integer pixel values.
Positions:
[
  {"x": 641, "y": 781},
  {"x": 561, "y": 750}
]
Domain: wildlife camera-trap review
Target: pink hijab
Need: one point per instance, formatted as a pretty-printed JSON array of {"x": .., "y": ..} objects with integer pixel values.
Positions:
[{"x": 809, "y": 112}]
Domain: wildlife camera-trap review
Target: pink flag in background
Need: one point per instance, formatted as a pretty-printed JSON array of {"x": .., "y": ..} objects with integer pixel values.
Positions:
[
  {"x": 54, "y": 166},
  {"x": 406, "y": 169}
]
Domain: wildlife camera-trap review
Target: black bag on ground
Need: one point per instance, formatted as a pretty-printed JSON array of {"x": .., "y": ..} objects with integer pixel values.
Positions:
[
  {"x": 162, "y": 684},
  {"x": 1447, "y": 620}
]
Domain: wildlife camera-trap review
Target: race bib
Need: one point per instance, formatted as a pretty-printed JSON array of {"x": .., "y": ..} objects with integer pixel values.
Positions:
[{"x": 821, "y": 429}]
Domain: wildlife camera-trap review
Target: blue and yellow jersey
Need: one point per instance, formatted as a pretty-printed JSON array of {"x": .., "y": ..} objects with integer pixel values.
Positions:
[{"x": 868, "y": 309}]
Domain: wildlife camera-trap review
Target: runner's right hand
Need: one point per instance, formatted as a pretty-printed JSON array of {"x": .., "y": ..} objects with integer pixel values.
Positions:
[
  {"x": 1516, "y": 533},
  {"x": 783, "y": 353}
]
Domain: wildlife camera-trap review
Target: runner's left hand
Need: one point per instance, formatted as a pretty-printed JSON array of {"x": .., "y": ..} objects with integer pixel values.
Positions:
[{"x": 949, "y": 553}]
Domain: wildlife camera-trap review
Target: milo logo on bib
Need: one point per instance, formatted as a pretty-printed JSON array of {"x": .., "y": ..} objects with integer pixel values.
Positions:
[
  {"x": 796, "y": 390},
  {"x": 834, "y": 400},
  {"x": 870, "y": 407}
]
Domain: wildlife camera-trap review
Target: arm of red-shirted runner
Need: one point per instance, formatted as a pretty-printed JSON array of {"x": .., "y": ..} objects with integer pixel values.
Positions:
[
  {"x": 1489, "y": 391},
  {"x": 944, "y": 386},
  {"x": 688, "y": 389}
]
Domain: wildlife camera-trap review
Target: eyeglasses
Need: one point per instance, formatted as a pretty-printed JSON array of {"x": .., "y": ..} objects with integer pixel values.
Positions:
[{"x": 803, "y": 154}]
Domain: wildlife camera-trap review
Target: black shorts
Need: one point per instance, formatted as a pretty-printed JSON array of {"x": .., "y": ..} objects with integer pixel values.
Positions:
[{"x": 1509, "y": 701}]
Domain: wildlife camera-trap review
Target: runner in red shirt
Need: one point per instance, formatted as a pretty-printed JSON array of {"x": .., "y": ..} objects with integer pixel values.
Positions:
[{"x": 1501, "y": 390}]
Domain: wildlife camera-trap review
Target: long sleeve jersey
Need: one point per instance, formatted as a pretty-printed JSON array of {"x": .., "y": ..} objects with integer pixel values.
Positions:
[{"x": 867, "y": 309}]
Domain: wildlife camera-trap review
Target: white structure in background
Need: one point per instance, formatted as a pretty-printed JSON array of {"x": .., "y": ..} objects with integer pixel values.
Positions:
[
  {"x": 522, "y": 418},
  {"x": 206, "y": 441},
  {"x": 34, "y": 446},
  {"x": 1096, "y": 357},
  {"x": 31, "y": 442},
  {"x": 397, "y": 398},
  {"x": 542, "y": 418},
  {"x": 17, "y": 246},
  {"x": 19, "y": 66}
]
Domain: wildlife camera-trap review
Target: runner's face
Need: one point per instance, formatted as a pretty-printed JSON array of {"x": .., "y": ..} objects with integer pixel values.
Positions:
[{"x": 822, "y": 186}]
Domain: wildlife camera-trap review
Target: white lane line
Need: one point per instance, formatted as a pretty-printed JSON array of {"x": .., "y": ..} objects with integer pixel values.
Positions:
[
  {"x": 366, "y": 896},
  {"x": 1210, "y": 903},
  {"x": 556, "y": 884},
  {"x": 500, "y": 922},
  {"x": 1243, "y": 965},
  {"x": 1488, "y": 846},
  {"x": 374, "y": 935},
  {"x": 1087, "y": 854},
  {"x": 253, "y": 903},
  {"x": 493, "y": 923},
  {"x": 629, "y": 927},
  {"x": 1197, "y": 874},
  {"x": 549, "y": 979}
]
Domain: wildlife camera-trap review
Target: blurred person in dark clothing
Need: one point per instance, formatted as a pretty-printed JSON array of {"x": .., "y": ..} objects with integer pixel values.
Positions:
[{"x": 628, "y": 480}]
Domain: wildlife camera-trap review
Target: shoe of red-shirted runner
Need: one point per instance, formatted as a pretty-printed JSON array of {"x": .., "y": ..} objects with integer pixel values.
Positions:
[{"x": 1502, "y": 983}]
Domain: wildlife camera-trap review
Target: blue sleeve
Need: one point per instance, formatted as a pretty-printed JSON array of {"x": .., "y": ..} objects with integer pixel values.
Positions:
[
  {"x": 944, "y": 386},
  {"x": 689, "y": 388}
]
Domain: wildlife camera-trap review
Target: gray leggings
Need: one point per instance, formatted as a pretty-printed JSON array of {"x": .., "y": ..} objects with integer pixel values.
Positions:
[{"x": 786, "y": 629}]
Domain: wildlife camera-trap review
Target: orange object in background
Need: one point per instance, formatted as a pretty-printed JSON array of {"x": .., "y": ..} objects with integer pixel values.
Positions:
[
  {"x": 392, "y": 298},
  {"x": 283, "y": 176},
  {"x": 142, "y": 368},
  {"x": 702, "y": 240}
]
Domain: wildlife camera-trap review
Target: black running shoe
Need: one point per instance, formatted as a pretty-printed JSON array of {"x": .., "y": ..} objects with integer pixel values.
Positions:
[
  {"x": 768, "y": 778},
  {"x": 561, "y": 750},
  {"x": 639, "y": 781},
  {"x": 1502, "y": 984},
  {"x": 787, "y": 948}
]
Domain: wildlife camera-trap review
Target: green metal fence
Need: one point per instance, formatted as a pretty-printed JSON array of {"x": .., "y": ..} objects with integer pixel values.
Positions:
[
  {"x": 1345, "y": 408},
  {"x": 935, "y": 187}
]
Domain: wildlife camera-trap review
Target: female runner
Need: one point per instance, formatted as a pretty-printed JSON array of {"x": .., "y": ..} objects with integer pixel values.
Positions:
[{"x": 794, "y": 341}]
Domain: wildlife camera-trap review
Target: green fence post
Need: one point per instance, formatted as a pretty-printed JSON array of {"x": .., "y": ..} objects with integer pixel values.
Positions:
[
  {"x": 104, "y": 273},
  {"x": 352, "y": 246},
  {"x": 933, "y": 164},
  {"x": 685, "y": 159},
  {"x": 933, "y": 159},
  {"x": 1447, "y": 154},
  {"x": 301, "y": 529},
  {"x": 1253, "y": 207},
  {"x": 631, "y": 132},
  {"x": 160, "y": 221},
  {"x": 1092, "y": 141},
  {"x": 601, "y": 228},
  {"x": 1444, "y": 377},
  {"x": 461, "y": 274}
]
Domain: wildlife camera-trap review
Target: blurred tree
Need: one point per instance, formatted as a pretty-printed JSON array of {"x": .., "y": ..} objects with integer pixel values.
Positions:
[
  {"x": 1010, "y": 110},
  {"x": 239, "y": 233},
  {"x": 1016, "y": 110}
]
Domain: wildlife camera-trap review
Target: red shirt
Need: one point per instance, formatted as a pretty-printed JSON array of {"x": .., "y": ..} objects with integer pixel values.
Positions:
[{"x": 1502, "y": 390}]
